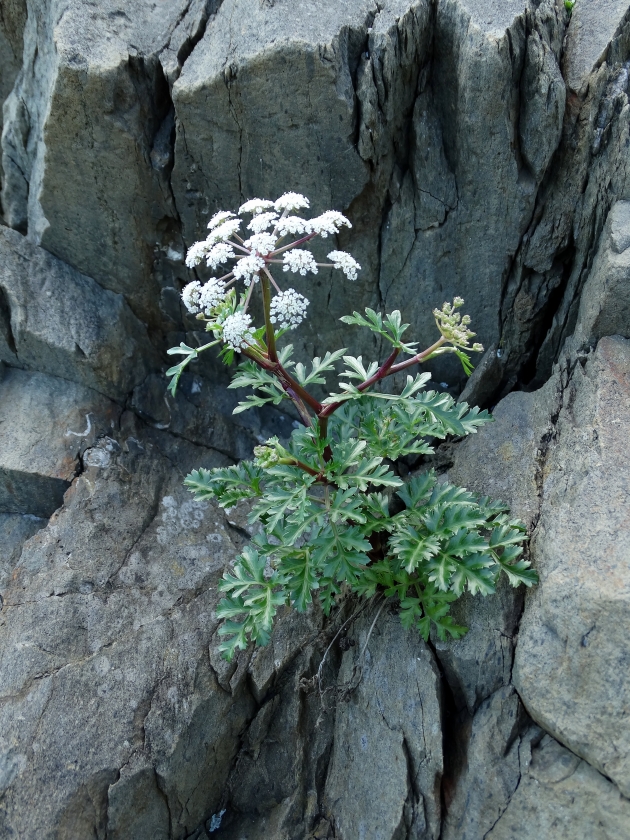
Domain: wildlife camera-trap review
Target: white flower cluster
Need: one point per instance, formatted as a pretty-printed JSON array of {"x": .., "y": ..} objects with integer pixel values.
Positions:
[
  {"x": 263, "y": 221},
  {"x": 247, "y": 268},
  {"x": 299, "y": 261},
  {"x": 198, "y": 298},
  {"x": 328, "y": 222},
  {"x": 237, "y": 330},
  {"x": 223, "y": 228},
  {"x": 292, "y": 224},
  {"x": 347, "y": 264},
  {"x": 212, "y": 294},
  {"x": 270, "y": 222},
  {"x": 222, "y": 232},
  {"x": 219, "y": 218},
  {"x": 261, "y": 243},
  {"x": 288, "y": 309},
  {"x": 190, "y": 295},
  {"x": 219, "y": 253},
  {"x": 255, "y": 205},
  {"x": 291, "y": 201}
]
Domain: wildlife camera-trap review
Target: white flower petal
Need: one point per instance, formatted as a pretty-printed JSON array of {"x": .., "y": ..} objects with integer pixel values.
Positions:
[
  {"x": 237, "y": 330},
  {"x": 328, "y": 222},
  {"x": 219, "y": 218},
  {"x": 291, "y": 201},
  {"x": 288, "y": 309},
  {"x": 262, "y": 222},
  {"x": 248, "y": 267},
  {"x": 296, "y": 260},
  {"x": 346, "y": 263},
  {"x": 255, "y": 206},
  {"x": 262, "y": 243}
]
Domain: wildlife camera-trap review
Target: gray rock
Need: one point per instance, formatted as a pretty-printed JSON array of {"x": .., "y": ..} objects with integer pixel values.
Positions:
[
  {"x": 15, "y": 529},
  {"x": 493, "y": 768},
  {"x": 101, "y": 203},
  {"x": 590, "y": 173},
  {"x": 573, "y": 634},
  {"x": 45, "y": 425},
  {"x": 12, "y": 21},
  {"x": 503, "y": 461},
  {"x": 560, "y": 797},
  {"x": 62, "y": 322},
  {"x": 593, "y": 25},
  {"x": 112, "y": 719},
  {"x": 386, "y": 762},
  {"x": 605, "y": 299},
  {"x": 201, "y": 412}
]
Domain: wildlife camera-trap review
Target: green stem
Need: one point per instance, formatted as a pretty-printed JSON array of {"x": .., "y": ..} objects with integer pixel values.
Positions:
[{"x": 271, "y": 334}]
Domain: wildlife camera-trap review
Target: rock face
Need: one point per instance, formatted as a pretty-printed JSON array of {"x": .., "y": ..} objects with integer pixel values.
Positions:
[
  {"x": 574, "y": 628},
  {"x": 480, "y": 149},
  {"x": 40, "y": 457},
  {"x": 61, "y": 322}
]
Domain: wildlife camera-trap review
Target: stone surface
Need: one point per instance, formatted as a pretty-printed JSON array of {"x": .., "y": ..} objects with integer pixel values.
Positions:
[
  {"x": 387, "y": 737},
  {"x": 593, "y": 25},
  {"x": 481, "y": 662},
  {"x": 473, "y": 157},
  {"x": 101, "y": 202},
  {"x": 45, "y": 425},
  {"x": 574, "y": 631},
  {"x": 59, "y": 321},
  {"x": 104, "y": 637},
  {"x": 15, "y": 529},
  {"x": 605, "y": 301},
  {"x": 423, "y": 157},
  {"x": 561, "y": 797},
  {"x": 201, "y": 412},
  {"x": 492, "y": 771}
]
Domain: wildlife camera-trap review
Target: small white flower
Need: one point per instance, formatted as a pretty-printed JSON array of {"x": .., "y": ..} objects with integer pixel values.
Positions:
[
  {"x": 219, "y": 218},
  {"x": 346, "y": 263},
  {"x": 291, "y": 201},
  {"x": 262, "y": 243},
  {"x": 237, "y": 330},
  {"x": 247, "y": 267},
  {"x": 211, "y": 295},
  {"x": 190, "y": 295},
  {"x": 262, "y": 221},
  {"x": 255, "y": 206},
  {"x": 328, "y": 222},
  {"x": 196, "y": 253},
  {"x": 302, "y": 261},
  {"x": 292, "y": 224},
  {"x": 288, "y": 309},
  {"x": 223, "y": 231},
  {"x": 219, "y": 253}
]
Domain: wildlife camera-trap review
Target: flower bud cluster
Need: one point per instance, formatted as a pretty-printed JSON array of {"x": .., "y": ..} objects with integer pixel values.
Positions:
[
  {"x": 272, "y": 453},
  {"x": 453, "y": 326}
]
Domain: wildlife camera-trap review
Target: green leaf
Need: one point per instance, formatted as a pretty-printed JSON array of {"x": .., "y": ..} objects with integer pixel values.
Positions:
[
  {"x": 238, "y": 641},
  {"x": 413, "y": 548},
  {"x": 319, "y": 366},
  {"x": 417, "y": 488},
  {"x": 299, "y": 575},
  {"x": 228, "y": 485}
]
